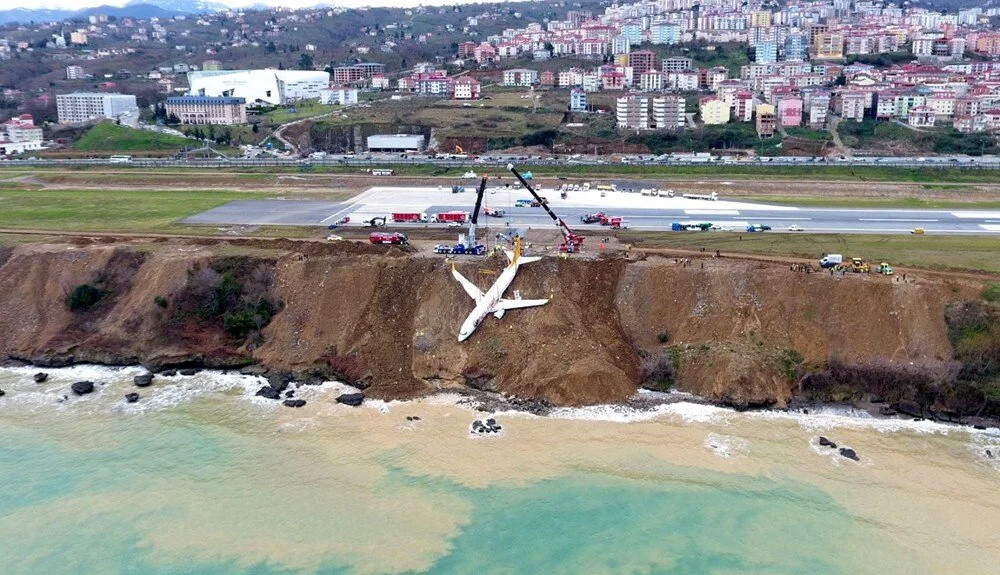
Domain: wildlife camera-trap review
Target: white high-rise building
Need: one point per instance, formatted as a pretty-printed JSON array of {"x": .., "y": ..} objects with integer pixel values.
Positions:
[{"x": 86, "y": 106}]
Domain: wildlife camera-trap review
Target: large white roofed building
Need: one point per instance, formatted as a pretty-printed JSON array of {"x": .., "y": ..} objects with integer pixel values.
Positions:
[{"x": 275, "y": 87}]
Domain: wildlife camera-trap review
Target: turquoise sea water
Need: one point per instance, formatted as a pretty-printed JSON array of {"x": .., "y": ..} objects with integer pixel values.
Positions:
[{"x": 221, "y": 484}]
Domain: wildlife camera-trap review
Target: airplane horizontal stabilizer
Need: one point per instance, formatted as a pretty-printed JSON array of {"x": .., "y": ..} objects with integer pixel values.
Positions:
[
  {"x": 527, "y": 260},
  {"x": 469, "y": 287}
]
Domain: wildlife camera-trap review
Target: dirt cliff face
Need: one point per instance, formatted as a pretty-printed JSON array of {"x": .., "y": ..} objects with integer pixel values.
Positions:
[{"x": 733, "y": 331}]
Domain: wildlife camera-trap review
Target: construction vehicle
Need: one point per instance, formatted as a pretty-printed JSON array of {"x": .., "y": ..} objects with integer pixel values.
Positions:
[
  {"x": 395, "y": 238},
  {"x": 611, "y": 220},
  {"x": 457, "y": 189},
  {"x": 691, "y": 226},
  {"x": 619, "y": 224},
  {"x": 593, "y": 218},
  {"x": 493, "y": 212},
  {"x": 467, "y": 244},
  {"x": 856, "y": 265},
  {"x": 409, "y": 217},
  {"x": 571, "y": 242},
  {"x": 884, "y": 269},
  {"x": 376, "y": 222}
]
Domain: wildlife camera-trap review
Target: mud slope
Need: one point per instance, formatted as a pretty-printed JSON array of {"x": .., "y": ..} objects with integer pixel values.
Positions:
[{"x": 390, "y": 321}]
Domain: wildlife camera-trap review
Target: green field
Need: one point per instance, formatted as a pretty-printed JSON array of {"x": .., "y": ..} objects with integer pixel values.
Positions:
[
  {"x": 977, "y": 253},
  {"x": 110, "y": 137},
  {"x": 306, "y": 109},
  {"x": 107, "y": 210}
]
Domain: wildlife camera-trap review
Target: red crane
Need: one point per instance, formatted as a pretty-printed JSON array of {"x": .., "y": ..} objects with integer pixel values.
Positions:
[{"x": 571, "y": 242}]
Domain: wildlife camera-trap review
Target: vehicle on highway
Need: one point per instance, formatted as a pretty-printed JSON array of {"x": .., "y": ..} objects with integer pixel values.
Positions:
[
  {"x": 796, "y": 228},
  {"x": 522, "y": 203},
  {"x": 119, "y": 159},
  {"x": 454, "y": 225},
  {"x": 758, "y": 228},
  {"x": 918, "y": 231}
]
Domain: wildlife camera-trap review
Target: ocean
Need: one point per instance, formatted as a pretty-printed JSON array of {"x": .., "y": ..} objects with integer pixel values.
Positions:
[{"x": 202, "y": 477}]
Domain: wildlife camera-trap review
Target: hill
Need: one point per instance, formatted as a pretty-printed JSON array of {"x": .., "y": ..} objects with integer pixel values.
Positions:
[{"x": 110, "y": 137}]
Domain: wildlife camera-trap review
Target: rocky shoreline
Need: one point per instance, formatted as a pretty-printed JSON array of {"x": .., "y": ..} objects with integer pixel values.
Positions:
[{"x": 489, "y": 401}]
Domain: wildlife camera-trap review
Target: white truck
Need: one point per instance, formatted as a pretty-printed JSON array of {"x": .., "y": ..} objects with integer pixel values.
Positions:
[
  {"x": 711, "y": 197},
  {"x": 831, "y": 260}
]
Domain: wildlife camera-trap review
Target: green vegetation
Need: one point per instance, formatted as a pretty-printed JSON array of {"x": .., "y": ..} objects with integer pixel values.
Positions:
[
  {"x": 160, "y": 301},
  {"x": 709, "y": 138},
  {"x": 232, "y": 293},
  {"x": 870, "y": 134},
  {"x": 885, "y": 60},
  {"x": 991, "y": 292},
  {"x": 83, "y": 297},
  {"x": 934, "y": 252},
  {"x": 284, "y": 114},
  {"x": 110, "y": 137},
  {"x": 807, "y": 134},
  {"x": 107, "y": 210},
  {"x": 732, "y": 56}
]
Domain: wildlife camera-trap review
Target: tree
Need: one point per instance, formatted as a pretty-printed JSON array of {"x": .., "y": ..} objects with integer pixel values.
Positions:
[
  {"x": 172, "y": 120},
  {"x": 271, "y": 48},
  {"x": 256, "y": 128},
  {"x": 305, "y": 61}
]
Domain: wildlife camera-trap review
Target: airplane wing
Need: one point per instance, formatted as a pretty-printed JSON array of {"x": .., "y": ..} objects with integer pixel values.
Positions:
[
  {"x": 469, "y": 287},
  {"x": 518, "y": 303}
]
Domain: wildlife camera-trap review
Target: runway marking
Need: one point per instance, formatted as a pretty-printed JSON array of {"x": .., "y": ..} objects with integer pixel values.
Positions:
[
  {"x": 712, "y": 212},
  {"x": 892, "y": 220},
  {"x": 990, "y": 227},
  {"x": 977, "y": 215}
]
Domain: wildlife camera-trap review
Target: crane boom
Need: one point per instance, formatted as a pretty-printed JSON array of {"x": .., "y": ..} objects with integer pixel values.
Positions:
[{"x": 572, "y": 242}]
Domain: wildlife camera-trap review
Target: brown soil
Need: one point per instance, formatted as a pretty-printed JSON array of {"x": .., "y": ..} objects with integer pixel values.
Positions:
[{"x": 380, "y": 316}]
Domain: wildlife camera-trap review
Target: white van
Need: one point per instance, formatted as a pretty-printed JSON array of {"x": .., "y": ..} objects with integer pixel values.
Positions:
[{"x": 831, "y": 260}]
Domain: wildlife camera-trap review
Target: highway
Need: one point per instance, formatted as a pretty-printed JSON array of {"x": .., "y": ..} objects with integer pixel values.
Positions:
[
  {"x": 641, "y": 212},
  {"x": 500, "y": 161}
]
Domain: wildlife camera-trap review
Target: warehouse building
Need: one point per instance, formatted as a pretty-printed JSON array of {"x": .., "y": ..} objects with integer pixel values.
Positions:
[{"x": 396, "y": 143}]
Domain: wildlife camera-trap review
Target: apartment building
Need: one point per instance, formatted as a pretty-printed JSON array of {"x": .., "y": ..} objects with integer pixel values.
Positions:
[
  {"x": 632, "y": 111},
  {"x": 85, "y": 106},
  {"x": 668, "y": 112}
]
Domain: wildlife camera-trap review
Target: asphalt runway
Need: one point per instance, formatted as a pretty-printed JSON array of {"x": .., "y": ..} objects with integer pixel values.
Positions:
[{"x": 641, "y": 212}]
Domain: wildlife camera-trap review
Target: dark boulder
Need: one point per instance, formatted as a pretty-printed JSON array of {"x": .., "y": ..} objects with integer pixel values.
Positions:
[
  {"x": 849, "y": 453},
  {"x": 989, "y": 454},
  {"x": 352, "y": 399},
  {"x": 2, "y": 393},
  {"x": 188, "y": 371},
  {"x": 268, "y": 392},
  {"x": 977, "y": 426},
  {"x": 887, "y": 411},
  {"x": 82, "y": 387},
  {"x": 131, "y": 397},
  {"x": 290, "y": 393},
  {"x": 827, "y": 443},
  {"x": 491, "y": 422},
  {"x": 294, "y": 402},
  {"x": 279, "y": 380},
  {"x": 143, "y": 380},
  {"x": 253, "y": 370},
  {"x": 907, "y": 407},
  {"x": 41, "y": 376},
  {"x": 168, "y": 373}
]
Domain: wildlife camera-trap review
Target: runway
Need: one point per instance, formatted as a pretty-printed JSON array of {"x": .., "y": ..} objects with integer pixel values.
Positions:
[{"x": 641, "y": 212}]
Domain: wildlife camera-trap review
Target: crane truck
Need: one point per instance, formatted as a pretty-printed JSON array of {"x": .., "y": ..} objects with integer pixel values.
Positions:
[
  {"x": 571, "y": 242},
  {"x": 467, "y": 244}
]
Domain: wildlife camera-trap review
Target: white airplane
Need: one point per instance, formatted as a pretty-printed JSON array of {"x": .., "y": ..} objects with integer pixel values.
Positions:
[{"x": 492, "y": 301}]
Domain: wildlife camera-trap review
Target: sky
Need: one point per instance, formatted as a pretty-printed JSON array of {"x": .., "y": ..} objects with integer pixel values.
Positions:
[{"x": 80, "y": 4}]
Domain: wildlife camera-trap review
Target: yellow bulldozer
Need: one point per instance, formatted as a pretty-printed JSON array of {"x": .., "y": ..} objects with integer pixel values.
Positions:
[{"x": 856, "y": 265}]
